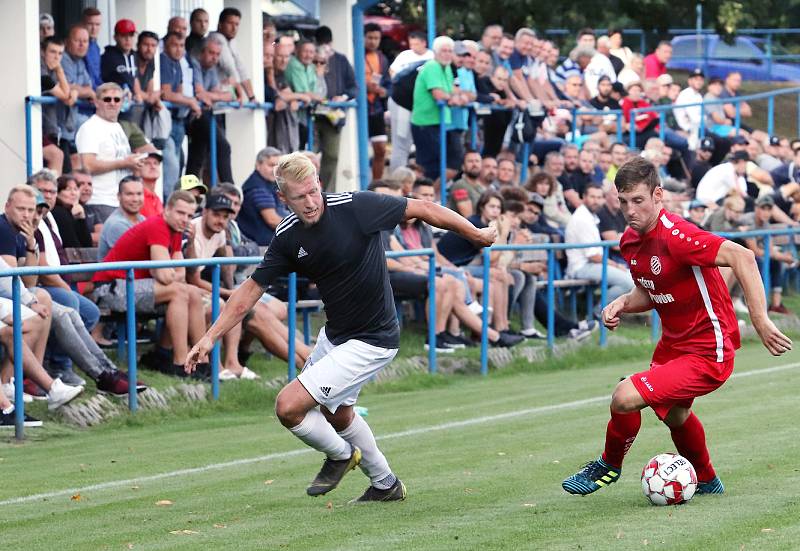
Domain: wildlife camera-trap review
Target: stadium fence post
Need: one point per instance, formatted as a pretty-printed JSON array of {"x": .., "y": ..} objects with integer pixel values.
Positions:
[
  {"x": 28, "y": 138},
  {"x": 771, "y": 115},
  {"x": 130, "y": 326},
  {"x": 310, "y": 129},
  {"x": 487, "y": 253},
  {"x": 655, "y": 325},
  {"x": 19, "y": 404},
  {"x": 765, "y": 269},
  {"x": 431, "y": 15},
  {"x": 619, "y": 126},
  {"x": 603, "y": 296},
  {"x": 769, "y": 58},
  {"x": 214, "y": 315},
  {"x": 473, "y": 129},
  {"x": 523, "y": 172},
  {"x": 574, "y": 125},
  {"x": 212, "y": 131},
  {"x": 551, "y": 298},
  {"x": 292, "y": 324},
  {"x": 738, "y": 120},
  {"x": 632, "y": 129},
  {"x": 431, "y": 313},
  {"x": 702, "y": 131},
  {"x": 359, "y": 65},
  {"x": 442, "y": 154},
  {"x": 662, "y": 124}
]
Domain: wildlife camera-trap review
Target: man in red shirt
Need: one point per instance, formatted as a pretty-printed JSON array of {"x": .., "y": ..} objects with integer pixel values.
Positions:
[
  {"x": 149, "y": 173},
  {"x": 675, "y": 267},
  {"x": 655, "y": 64},
  {"x": 158, "y": 290}
]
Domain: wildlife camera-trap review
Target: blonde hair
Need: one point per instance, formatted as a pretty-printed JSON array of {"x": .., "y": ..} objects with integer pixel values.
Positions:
[
  {"x": 294, "y": 167},
  {"x": 24, "y": 189}
]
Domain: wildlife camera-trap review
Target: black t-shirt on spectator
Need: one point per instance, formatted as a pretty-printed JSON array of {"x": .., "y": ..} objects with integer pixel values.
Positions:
[
  {"x": 343, "y": 254},
  {"x": 576, "y": 180},
  {"x": 698, "y": 170},
  {"x": 600, "y": 105},
  {"x": 12, "y": 242},
  {"x": 610, "y": 221},
  {"x": 457, "y": 249}
]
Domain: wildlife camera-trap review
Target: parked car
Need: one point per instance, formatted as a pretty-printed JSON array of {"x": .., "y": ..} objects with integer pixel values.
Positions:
[
  {"x": 289, "y": 16},
  {"x": 745, "y": 54}
]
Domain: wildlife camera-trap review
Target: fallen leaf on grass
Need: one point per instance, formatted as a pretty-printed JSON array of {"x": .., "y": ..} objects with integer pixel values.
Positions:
[
  {"x": 134, "y": 487},
  {"x": 268, "y": 482},
  {"x": 329, "y": 505},
  {"x": 529, "y": 505},
  {"x": 766, "y": 529},
  {"x": 181, "y": 532},
  {"x": 130, "y": 546},
  {"x": 620, "y": 534},
  {"x": 220, "y": 526},
  {"x": 164, "y": 502},
  {"x": 501, "y": 453},
  {"x": 76, "y": 497}
]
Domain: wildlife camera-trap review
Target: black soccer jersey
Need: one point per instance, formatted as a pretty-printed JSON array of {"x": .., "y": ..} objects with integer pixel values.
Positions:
[{"x": 343, "y": 255}]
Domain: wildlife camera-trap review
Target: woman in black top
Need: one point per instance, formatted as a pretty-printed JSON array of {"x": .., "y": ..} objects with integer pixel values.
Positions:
[{"x": 69, "y": 214}]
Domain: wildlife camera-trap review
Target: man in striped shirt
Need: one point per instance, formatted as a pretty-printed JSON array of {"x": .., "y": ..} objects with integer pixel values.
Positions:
[{"x": 675, "y": 266}]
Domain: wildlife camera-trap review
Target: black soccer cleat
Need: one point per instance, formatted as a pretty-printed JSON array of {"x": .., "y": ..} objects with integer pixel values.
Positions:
[
  {"x": 396, "y": 493},
  {"x": 333, "y": 472}
]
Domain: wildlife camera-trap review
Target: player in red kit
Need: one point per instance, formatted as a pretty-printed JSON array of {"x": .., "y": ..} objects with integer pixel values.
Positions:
[{"x": 675, "y": 266}]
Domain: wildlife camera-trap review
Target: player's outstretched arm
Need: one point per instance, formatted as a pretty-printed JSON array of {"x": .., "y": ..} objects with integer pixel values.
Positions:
[
  {"x": 637, "y": 300},
  {"x": 441, "y": 217},
  {"x": 744, "y": 265},
  {"x": 240, "y": 302}
]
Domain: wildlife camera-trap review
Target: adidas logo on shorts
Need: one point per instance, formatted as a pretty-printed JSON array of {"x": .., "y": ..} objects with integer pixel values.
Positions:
[
  {"x": 301, "y": 253},
  {"x": 325, "y": 390}
]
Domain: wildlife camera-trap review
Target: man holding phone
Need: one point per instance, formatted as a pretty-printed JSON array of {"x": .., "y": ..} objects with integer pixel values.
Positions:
[{"x": 105, "y": 152}]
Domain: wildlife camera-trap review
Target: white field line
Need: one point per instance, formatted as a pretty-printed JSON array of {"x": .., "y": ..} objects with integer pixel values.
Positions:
[{"x": 292, "y": 453}]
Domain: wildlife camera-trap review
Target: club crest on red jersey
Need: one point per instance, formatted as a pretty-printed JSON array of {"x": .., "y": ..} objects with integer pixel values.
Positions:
[{"x": 655, "y": 265}]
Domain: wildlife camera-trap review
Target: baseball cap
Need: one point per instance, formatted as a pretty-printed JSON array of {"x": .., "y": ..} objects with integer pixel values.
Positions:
[
  {"x": 697, "y": 204},
  {"x": 460, "y": 48},
  {"x": 707, "y": 144},
  {"x": 218, "y": 201},
  {"x": 190, "y": 181},
  {"x": 536, "y": 199},
  {"x": 125, "y": 26},
  {"x": 155, "y": 155},
  {"x": 664, "y": 80},
  {"x": 765, "y": 200},
  {"x": 775, "y": 140},
  {"x": 740, "y": 156},
  {"x": 697, "y": 72},
  {"x": 635, "y": 83},
  {"x": 40, "y": 200},
  {"x": 619, "y": 88},
  {"x": 739, "y": 140}
]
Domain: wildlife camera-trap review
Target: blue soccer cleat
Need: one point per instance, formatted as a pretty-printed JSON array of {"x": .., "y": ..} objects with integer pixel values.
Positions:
[
  {"x": 713, "y": 486},
  {"x": 593, "y": 476}
]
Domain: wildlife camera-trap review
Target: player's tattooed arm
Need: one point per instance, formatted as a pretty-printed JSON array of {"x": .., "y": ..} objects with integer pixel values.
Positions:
[{"x": 743, "y": 263}]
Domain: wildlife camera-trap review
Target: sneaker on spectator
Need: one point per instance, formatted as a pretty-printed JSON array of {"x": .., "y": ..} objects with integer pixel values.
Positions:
[
  {"x": 507, "y": 341},
  {"x": 8, "y": 390},
  {"x": 462, "y": 339},
  {"x": 7, "y": 420},
  {"x": 451, "y": 342},
  {"x": 201, "y": 373},
  {"x": 780, "y": 309},
  {"x": 441, "y": 347},
  {"x": 588, "y": 325},
  {"x": 227, "y": 375},
  {"x": 34, "y": 390},
  {"x": 248, "y": 374},
  {"x": 60, "y": 394},
  {"x": 475, "y": 307},
  {"x": 578, "y": 334},
  {"x": 532, "y": 333},
  {"x": 67, "y": 376},
  {"x": 115, "y": 383}
]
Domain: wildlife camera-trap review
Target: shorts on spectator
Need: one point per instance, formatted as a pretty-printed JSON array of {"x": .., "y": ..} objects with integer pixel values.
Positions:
[
  {"x": 68, "y": 146},
  {"x": 99, "y": 213},
  {"x": 334, "y": 375},
  {"x": 6, "y": 306},
  {"x": 111, "y": 295},
  {"x": 377, "y": 128},
  {"x": 408, "y": 285}
]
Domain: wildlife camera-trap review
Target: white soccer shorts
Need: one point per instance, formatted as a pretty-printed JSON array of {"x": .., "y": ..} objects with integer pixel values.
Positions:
[{"x": 334, "y": 375}]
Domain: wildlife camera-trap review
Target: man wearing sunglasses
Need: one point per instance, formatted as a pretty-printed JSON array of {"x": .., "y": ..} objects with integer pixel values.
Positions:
[{"x": 105, "y": 152}]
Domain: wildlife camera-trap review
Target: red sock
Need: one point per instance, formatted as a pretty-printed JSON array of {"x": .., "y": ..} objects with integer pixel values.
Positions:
[
  {"x": 690, "y": 439},
  {"x": 620, "y": 434}
]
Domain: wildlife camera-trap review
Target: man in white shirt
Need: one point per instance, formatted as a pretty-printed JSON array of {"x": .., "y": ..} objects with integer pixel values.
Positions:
[
  {"x": 105, "y": 152},
  {"x": 689, "y": 118},
  {"x": 587, "y": 263},
  {"x": 400, "y": 116},
  {"x": 599, "y": 66},
  {"x": 720, "y": 180}
]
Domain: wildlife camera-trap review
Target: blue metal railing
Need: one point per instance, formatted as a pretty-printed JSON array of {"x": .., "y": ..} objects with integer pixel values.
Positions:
[
  {"x": 130, "y": 314},
  {"x": 551, "y": 248},
  {"x": 737, "y": 101}
]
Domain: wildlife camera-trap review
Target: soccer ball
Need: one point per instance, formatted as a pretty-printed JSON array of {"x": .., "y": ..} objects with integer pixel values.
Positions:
[{"x": 668, "y": 479}]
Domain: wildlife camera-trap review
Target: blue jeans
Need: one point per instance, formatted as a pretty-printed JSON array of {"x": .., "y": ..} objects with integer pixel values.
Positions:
[
  {"x": 426, "y": 140},
  {"x": 619, "y": 281},
  {"x": 90, "y": 315}
]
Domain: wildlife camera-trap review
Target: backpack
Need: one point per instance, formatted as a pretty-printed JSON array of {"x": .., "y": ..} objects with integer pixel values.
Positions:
[{"x": 403, "y": 85}]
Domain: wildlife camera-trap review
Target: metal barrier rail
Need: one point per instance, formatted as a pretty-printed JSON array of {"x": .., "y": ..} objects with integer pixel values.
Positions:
[
  {"x": 130, "y": 313},
  {"x": 737, "y": 101},
  {"x": 551, "y": 248}
]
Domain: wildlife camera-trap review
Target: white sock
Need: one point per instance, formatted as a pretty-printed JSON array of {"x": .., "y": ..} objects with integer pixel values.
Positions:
[
  {"x": 373, "y": 462},
  {"x": 315, "y": 431}
]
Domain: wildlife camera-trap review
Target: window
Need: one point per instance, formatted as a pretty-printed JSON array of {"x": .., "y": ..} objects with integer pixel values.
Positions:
[
  {"x": 689, "y": 47},
  {"x": 741, "y": 49}
]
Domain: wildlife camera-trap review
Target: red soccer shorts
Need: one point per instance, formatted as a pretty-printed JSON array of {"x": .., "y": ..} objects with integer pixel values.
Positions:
[{"x": 679, "y": 381}]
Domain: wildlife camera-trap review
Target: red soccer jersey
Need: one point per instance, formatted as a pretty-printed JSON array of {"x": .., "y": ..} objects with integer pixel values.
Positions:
[
  {"x": 135, "y": 244},
  {"x": 674, "y": 264}
]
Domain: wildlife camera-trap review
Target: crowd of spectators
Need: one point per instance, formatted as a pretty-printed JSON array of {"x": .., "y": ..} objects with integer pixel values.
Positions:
[{"x": 103, "y": 165}]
